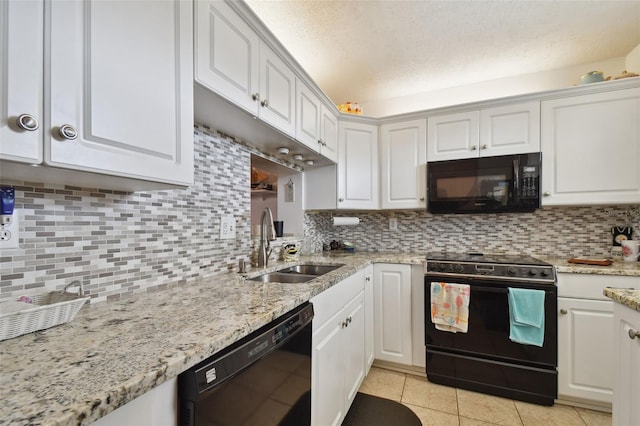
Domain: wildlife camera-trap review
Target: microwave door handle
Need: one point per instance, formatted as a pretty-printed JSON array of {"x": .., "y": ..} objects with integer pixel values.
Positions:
[{"x": 516, "y": 177}]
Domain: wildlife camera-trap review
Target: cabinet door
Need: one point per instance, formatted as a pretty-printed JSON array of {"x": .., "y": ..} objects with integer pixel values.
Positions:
[
  {"x": 368, "y": 316},
  {"x": 226, "y": 54},
  {"x": 329, "y": 134},
  {"x": 626, "y": 410},
  {"x": 277, "y": 92},
  {"x": 591, "y": 149},
  {"x": 21, "y": 80},
  {"x": 354, "y": 347},
  {"x": 308, "y": 117},
  {"x": 453, "y": 136},
  {"x": 511, "y": 129},
  {"x": 357, "y": 166},
  {"x": 392, "y": 313},
  {"x": 126, "y": 95},
  {"x": 403, "y": 163},
  {"x": 327, "y": 373},
  {"x": 585, "y": 349}
]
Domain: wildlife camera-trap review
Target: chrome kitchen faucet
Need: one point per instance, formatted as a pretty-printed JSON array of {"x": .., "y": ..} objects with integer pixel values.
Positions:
[{"x": 267, "y": 233}]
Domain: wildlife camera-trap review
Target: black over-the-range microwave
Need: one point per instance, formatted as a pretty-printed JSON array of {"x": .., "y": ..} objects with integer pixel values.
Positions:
[{"x": 507, "y": 183}]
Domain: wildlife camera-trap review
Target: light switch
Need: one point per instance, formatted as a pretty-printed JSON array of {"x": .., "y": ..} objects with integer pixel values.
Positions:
[{"x": 227, "y": 227}]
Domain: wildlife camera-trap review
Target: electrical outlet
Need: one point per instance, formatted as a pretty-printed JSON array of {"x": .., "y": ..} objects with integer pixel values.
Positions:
[
  {"x": 9, "y": 233},
  {"x": 393, "y": 224},
  {"x": 227, "y": 227}
]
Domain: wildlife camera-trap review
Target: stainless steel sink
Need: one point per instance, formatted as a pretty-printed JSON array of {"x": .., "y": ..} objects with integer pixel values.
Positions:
[
  {"x": 279, "y": 277},
  {"x": 295, "y": 274},
  {"x": 310, "y": 269}
]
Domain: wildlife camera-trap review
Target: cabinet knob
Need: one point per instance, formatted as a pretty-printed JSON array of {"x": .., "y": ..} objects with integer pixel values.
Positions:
[
  {"x": 421, "y": 198},
  {"x": 546, "y": 194},
  {"x": 633, "y": 334},
  {"x": 264, "y": 103},
  {"x": 474, "y": 147},
  {"x": 340, "y": 200},
  {"x": 68, "y": 132},
  {"x": 563, "y": 311},
  {"x": 255, "y": 97},
  {"x": 27, "y": 122},
  {"x": 367, "y": 278},
  {"x": 485, "y": 146}
]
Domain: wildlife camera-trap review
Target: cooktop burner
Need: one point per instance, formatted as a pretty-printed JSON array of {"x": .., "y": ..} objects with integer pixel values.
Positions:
[{"x": 489, "y": 266}]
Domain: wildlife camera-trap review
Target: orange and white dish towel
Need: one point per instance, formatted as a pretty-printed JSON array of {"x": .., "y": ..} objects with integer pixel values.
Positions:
[{"x": 450, "y": 306}]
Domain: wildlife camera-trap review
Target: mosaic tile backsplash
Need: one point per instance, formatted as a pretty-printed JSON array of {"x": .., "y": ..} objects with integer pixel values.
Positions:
[
  {"x": 118, "y": 243},
  {"x": 556, "y": 231}
]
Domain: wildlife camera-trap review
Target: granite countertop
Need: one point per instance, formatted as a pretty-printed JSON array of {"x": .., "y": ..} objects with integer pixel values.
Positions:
[
  {"x": 113, "y": 352},
  {"x": 618, "y": 267},
  {"x": 627, "y": 297}
]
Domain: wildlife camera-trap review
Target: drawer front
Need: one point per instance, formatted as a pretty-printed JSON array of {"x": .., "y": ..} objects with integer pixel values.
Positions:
[{"x": 590, "y": 286}]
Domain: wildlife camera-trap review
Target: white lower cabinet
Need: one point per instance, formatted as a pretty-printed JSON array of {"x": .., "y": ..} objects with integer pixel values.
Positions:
[
  {"x": 392, "y": 313},
  {"x": 338, "y": 349},
  {"x": 158, "y": 407},
  {"x": 585, "y": 344},
  {"x": 585, "y": 370},
  {"x": 626, "y": 387},
  {"x": 368, "y": 317}
]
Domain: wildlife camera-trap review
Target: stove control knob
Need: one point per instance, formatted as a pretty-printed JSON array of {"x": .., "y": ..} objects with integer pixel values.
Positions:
[
  {"x": 544, "y": 273},
  {"x": 512, "y": 271},
  {"x": 442, "y": 266},
  {"x": 458, "y": 268},
  {"x": 532, "y": 272}
]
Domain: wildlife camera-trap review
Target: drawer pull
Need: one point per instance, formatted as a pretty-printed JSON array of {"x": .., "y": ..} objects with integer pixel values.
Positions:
[
  {"x": 563, "y": 311},
  {"x": 633, "y": 333}
]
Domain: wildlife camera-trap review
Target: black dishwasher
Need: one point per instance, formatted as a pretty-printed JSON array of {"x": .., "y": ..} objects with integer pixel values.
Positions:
[{"x": 263, "y": 379}]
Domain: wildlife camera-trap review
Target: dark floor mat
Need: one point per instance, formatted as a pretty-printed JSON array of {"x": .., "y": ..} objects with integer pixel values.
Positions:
[{"x": 369, "y": 410}]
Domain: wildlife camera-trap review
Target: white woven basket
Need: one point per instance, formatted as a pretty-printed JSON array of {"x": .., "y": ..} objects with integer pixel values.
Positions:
[{"x": 47, "y": 310}]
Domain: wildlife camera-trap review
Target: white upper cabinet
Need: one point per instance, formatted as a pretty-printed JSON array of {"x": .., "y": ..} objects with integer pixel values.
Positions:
[
  {"x": 403, "y": 159},
  {"x": 316, "y": 125},
  {"x": 113, "y": 102},
  {"x": 591, "y": 149},
  {"x": 329, "y": 134},
  {"x": 453, "y": 136},
  {"x": 509, "y": 129},
  {"x": 21, "y": 80},
  {"x": 226, "y": 54},
  {"x": 121, "y": 101},
  {"x": 277, "y": 92},
  {"x": 309, "y": 110},
  {"x": 357, "y": 166},
  {"x": 234, "y": 62}
]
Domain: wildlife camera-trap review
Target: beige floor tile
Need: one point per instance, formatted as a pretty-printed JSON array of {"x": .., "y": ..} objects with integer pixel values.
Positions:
[
  {"x": 419, "y": 391},
  {"x": 465, "y": 421},
  {"x": 561, "y": 415},
  {"x": 594, "y": 418},
  {"x": 433, "y": 417},
  {"x": 488, "y": 408},
  {"x": 384, "y": 383}
]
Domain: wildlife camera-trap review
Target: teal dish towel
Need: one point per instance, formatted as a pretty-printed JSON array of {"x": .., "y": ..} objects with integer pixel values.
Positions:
[{"x": 526, "y": 316}]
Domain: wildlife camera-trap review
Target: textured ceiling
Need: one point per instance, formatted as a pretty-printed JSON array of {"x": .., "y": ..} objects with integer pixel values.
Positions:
[{"x": 375, "y": 50}]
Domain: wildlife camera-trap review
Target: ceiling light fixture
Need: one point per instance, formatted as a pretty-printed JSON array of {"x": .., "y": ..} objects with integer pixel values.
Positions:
[
  {"x": 309, "y": 162},
  {"x": 283, "y": 150},
  {"x": 297, "y": 157}
]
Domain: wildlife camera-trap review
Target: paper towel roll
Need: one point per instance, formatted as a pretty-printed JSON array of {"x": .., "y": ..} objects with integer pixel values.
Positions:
[{"x": 345, "y": 221}]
